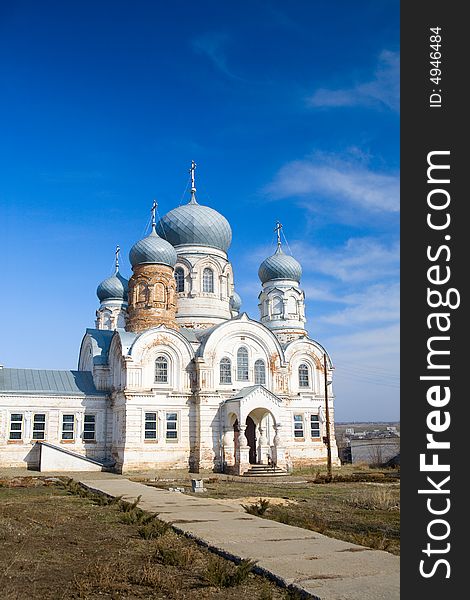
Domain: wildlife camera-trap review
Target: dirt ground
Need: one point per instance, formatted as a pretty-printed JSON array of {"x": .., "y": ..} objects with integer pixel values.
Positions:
[{"x": 56, "y": 545}]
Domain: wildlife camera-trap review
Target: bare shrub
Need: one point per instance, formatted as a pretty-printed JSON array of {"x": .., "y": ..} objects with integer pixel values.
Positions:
[
  {"x": 128, "y": 506},
  {"x": 153, "y": 529},
  {"x": 220, "y": 573},
  {"x": 258, "y": 508},
  {"x": 171, "y": 550}
]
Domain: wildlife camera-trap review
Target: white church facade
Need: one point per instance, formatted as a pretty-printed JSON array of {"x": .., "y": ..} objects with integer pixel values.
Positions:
[{"x": 173, "y": 375}]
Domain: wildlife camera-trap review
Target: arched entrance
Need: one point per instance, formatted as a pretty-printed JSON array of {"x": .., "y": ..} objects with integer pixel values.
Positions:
[{"x": 250, "y": 433}]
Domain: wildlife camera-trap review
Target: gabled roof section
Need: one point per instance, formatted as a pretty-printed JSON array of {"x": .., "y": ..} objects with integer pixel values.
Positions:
[
  {"x": 246, "y": 391},
  {"x": 251, "y": 389},
  {"x": 47, "y": 383},
  {"x": 127, "y": 339},
  {"x": 101, "y": 342}
]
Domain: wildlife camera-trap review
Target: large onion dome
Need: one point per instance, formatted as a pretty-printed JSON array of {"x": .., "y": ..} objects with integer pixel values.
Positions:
[
  {"x": 113, "y": 288},
  {"x": 152, "y": 250},
  {"x": 280, "y": 266},
  {"x": 196, "y": 225}
]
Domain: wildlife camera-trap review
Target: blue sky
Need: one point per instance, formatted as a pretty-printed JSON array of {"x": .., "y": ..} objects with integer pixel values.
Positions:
[{"x": 291, "y": 111}]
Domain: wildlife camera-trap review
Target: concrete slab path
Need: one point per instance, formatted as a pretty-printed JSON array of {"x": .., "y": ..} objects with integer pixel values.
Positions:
[{"x": 325, "y": 568}]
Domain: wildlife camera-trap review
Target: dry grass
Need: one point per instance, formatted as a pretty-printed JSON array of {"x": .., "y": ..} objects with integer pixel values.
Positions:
[
  {"x": 375, "y": 498},
  {"x": 58, "y": 544}
]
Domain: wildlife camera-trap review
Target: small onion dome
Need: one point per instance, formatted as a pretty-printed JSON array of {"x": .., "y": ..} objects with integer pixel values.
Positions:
[
  {"x": 235, "y": 302},
  {"x": 280, "y": 266},
  {"x": 196, "y": 225},
  {"x": 113, "y": 288},
  {"x": 152, "y": 250}
]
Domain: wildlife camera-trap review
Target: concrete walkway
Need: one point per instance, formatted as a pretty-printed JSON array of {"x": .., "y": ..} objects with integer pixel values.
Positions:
[{"x": 326, "y": 568}]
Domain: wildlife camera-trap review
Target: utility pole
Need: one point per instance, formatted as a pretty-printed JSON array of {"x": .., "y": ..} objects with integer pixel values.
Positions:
[{"x": 327, "y": 415}]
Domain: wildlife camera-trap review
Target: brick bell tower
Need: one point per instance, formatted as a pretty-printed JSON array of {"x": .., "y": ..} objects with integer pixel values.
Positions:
[{"x": 152, "y": 287}]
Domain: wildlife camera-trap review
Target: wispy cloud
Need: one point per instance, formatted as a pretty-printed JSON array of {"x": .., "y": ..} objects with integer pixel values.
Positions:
[
  {"x": 212, "y": 45},
  {"x": 347, "y": 179},
  {"x": 374, "y": 347},
  {"x": 376, "y": 304},
  {"x": 356, "y": 261},
  {"x": 382, "y": 90}
]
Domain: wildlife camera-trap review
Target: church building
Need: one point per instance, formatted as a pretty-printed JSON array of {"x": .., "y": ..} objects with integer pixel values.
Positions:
[{"x": 173, "y": 375}]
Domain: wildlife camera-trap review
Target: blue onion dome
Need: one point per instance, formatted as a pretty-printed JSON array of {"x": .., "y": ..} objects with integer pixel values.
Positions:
[
  {"x": 152, "y": 250},
  {"x": 113, "y": 288},
  {"x": 235, "y": 302},
  {"x": 280, "y": 266},
  {"x": 196, "y": 225}
]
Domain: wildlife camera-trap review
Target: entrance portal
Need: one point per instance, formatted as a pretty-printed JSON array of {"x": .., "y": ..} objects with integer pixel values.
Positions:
[{"x": 250, "y": 433}]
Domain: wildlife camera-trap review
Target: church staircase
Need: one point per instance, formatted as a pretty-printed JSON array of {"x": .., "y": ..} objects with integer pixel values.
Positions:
[{"x": 265, "y": 471}]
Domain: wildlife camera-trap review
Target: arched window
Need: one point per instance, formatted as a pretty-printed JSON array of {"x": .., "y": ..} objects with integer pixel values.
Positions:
[
  {"x": 303, "y": 376},
  {"x": 208, "y": 280},
  {"x": 143, "y": 293},
  {"x": 242, "y": 364},
  {"x": 277, "y": 305},
  {"x": 265, "y": 308},
  {"x": 291, "y": 306},
  {"x": 225, "y": 371},
  {"x": 260, "y": 372},
  {"x": 161, "y": 370},
  {"x": 179, "y": 278}
]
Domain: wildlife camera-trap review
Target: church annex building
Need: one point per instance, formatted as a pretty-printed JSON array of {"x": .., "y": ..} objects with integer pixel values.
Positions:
[{"x": 173, "y": 375}]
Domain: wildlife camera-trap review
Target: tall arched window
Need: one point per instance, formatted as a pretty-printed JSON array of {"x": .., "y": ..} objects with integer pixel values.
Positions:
[
  {"x": 260, "y": 372},
  {"x": 161, "y": 369},
  {"x": 208, "y": 280},
  {"x": 291, "y": 306},
  {"x": 179, "y": 278},
  {"x": 303, "y": 375},
  {"x": 225, "y": 370},
  {"x": 242, "y": 364},
  {"x": 277, "y": 305}
]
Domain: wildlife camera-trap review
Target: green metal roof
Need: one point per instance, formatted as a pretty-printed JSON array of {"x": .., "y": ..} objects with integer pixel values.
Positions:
[{"x": 49, "y": 383}]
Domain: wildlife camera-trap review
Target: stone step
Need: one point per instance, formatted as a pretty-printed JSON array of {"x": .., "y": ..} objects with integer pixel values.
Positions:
[{"x": 264, "y": 471}]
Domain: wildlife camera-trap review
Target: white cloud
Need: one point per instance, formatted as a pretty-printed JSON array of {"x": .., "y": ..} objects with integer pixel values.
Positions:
[
  {"x": 383, "y": 89},
  {"x": 372, "y": 349},
  {"x": 358, "y": 260},
  {"x": 377, "y": 303},
  {"x": 347, "y": 180}
]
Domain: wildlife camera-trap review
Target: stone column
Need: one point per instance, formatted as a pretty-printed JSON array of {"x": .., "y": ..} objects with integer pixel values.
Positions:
[
  {"x": 263, "y": 447},
  {"x": 242, "y": 454},
  {"x": 279, "y": 455},
  {"x": 229, "y": 447}
]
